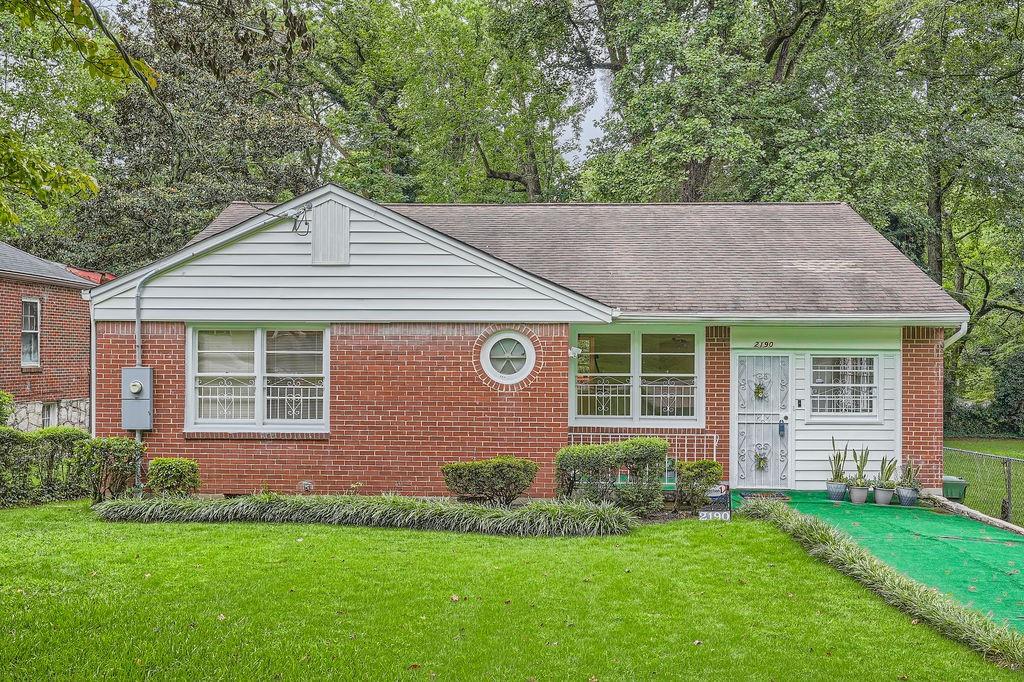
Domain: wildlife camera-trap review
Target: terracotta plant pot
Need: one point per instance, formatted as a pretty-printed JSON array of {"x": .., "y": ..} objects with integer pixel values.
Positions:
[
  {"x": 858, "y": 495},
  {"x": 836, "y": 490},
  {"x": 908, "y": 496},
  {"x": 883, "y": 496}
]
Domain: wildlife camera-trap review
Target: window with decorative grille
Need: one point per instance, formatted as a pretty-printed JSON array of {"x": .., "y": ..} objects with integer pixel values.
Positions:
[
  {"x": 259, "y": 377},
  {"x": 843, "y": 385}
]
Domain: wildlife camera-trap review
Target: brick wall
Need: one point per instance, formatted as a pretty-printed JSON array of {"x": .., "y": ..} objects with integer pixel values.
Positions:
[
  {"x": 690, "y": 444},
  {"x": 64, "y": 343},
  {"x": 404, "y": 399},
  {"x": 922, "y": 402}
]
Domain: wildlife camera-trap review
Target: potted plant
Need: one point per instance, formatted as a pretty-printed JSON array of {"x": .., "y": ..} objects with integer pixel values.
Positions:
[
  {"x": 909, "y": 486},
  {"x": 884, "y": 485},
  {"x": 836, "y": 485},
  {"x": 859, "y": 483}
]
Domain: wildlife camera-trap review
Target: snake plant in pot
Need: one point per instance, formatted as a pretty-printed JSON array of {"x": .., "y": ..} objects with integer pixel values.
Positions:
[
  {"x": 885, "y": 486},
  {"x": 836, "y": 485},
  {"x": 859, "y": 483},
  {"x": 909, "y": 486}
]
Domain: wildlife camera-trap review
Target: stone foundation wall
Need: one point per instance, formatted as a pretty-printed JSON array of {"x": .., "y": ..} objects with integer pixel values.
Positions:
[{"x": 72, "y": 412}]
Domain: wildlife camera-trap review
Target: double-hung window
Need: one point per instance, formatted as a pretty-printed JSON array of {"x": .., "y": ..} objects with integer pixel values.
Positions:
[
  {"x": 264, "y": 379},
  {"x": 843, "y": 385},
  {"x": 29, "y": 332},
  {"x": 625, "y": 377}
]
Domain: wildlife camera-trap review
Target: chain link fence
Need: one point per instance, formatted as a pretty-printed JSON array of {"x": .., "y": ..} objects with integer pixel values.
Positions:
[{"x": 995, "y": 484}]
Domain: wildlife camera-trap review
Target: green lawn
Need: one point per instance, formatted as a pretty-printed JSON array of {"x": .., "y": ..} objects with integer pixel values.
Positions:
[
  {"x": 986, "y": 478},
  {"x": 84, "y": 599}
]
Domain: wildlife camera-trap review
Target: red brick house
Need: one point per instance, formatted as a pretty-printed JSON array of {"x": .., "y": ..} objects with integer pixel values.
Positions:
[
  {"x": 331, "y": 342},
  {"x": 44, "y": 346}
]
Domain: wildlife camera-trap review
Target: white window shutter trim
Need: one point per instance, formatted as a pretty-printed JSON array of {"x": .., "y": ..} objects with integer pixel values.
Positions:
[{"x": 330, "y": 234}]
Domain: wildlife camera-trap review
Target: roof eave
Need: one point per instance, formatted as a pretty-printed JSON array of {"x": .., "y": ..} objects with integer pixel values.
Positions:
[
  {"x": 920, "y": 318},
  {"x": 42, "y": 279}
]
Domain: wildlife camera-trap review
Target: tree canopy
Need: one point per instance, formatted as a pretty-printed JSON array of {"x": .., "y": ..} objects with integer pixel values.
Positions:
[{"x": 125, "y": 132}]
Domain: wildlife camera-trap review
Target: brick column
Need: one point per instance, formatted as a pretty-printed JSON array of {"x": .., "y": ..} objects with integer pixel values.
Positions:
[
  {"x": 717, "y": 368},
  {"x": 922, "y": 402}
]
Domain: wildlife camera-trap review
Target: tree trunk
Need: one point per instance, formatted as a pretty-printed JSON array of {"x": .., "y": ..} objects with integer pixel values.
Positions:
[{"x": 933, "y": 239}]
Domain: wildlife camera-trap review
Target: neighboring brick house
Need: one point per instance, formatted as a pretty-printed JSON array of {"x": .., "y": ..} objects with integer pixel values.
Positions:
[
  {"x": 334, "y": 343},
  {"x": 44, "y": 345}
]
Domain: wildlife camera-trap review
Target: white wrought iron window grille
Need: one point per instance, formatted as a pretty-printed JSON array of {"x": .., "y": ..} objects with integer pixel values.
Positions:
[{"x": 843, "y": 385}]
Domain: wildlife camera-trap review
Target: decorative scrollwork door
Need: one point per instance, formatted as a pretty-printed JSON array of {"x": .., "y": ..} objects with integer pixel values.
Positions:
[{"x": 762, "y": 421}]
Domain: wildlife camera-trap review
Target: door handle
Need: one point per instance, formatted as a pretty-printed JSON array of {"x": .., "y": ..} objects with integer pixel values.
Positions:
[{"x": 782, "y": 427}]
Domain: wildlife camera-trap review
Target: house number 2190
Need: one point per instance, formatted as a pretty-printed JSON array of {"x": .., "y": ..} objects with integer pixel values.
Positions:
[{"x": 763, "y": 344}]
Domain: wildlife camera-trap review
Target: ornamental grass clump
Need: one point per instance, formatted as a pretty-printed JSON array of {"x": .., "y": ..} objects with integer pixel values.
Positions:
[
  {"x": 538, "y": 518},
  {"x": 997, "y": 642}
]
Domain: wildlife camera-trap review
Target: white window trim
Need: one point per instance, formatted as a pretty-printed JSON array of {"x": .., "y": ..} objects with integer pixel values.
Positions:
[
  {"x": 259, "y": 424},
  {"x": 836, "y": 417},
  {"x": 38, "y": 333},
  {"x": 697, "y": 421},
  {"x": 508, "y": 379}
]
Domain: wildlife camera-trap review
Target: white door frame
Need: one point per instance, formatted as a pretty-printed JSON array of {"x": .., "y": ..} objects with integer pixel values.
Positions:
[{"x": 734, "y": 411}]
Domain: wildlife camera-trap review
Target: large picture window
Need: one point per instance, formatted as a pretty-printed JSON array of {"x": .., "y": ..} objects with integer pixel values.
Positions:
[
  {"x": 634, "y": 376},
  {"x": 843, "y": 385},
  {"x": 262, "y": 378}
]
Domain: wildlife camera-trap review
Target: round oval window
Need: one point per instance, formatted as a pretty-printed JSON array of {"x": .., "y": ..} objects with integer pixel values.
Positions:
[{"x": 508, "y": 357}]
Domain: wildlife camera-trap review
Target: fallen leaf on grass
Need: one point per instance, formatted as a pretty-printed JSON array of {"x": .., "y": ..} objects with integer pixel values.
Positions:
[
  {"x": 221, "y": 616},
  {"x": 697, "y": 642},
  {"x": 455, "y": 597}
]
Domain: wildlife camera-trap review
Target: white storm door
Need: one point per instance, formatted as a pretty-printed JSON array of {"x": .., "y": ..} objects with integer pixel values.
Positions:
[{"x": 762, "y": 452}]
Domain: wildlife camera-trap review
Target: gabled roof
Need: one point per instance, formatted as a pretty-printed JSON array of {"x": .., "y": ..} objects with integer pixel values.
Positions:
[
  {"x": 18, "y": 264},
  {"x": 729, "y": 260}
]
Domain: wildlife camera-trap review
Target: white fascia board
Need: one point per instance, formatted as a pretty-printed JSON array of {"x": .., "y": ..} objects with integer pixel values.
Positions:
[
  {"x": 808, "y": 318},
  {"x": 597, "y": 310}
]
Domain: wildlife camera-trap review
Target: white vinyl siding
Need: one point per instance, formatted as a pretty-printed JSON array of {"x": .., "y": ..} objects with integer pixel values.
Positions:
[
  {"x": 391, "y": 274},
  {"x": 812, "y": 433},
  {"x": 262, "y": 379}
]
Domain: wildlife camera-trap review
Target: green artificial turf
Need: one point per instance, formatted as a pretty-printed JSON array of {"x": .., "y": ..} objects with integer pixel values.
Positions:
[
  {"x": 84, "y": 599},
  {"x": 986, "y": 477},
  {"x": 976, "y": 564}
]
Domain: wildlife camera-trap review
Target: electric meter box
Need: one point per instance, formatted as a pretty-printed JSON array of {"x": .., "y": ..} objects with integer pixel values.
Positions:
[{"x": 137, "y": 398}]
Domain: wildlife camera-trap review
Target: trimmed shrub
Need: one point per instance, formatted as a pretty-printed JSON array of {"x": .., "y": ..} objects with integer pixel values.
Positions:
[
  {"x": 175, "y": 476},
  {"x": 1008, "y": 404},
  {"x": 999, "y": 643},
  {"x": 6, "y": 407},
  {"x": 59, "y": 472},
  {"x": 592, "y": 472},
  {"x": 498, "y": 479},
  {"x": 542, "y": 518},
  {"x": 586, "y": 471},
  {"x": 109, "y": 465},
  {"x": 15, "y": 467},
  {"x": 644, "y": 460},
  {"x": 693, "y": 479}
]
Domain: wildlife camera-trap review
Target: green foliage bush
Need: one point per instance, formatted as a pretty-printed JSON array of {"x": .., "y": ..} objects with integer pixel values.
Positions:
[
  {"x": 693, "y": 479},
  {"x": 498, "y": 479},
  {"x": 6, "y": 407},
  {"x": 565, "y": 518},
  {"x": 40, "y": 466},
  {"x": 592, "y": 472},
  {"x": 173, "y": 476},
  {"x": 1008, "y": 403},
  {"x": 999, "y": 643},
  {"x": 109, "y": 465}
]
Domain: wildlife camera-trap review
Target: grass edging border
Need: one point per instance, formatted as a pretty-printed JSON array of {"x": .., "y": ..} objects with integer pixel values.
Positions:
[
  {"x": 536, "y": 518},
  {"x": 999, "y": 643}
]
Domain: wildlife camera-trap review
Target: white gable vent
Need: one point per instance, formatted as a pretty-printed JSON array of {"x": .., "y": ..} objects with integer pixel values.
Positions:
[{"x": 330, "y": 234}]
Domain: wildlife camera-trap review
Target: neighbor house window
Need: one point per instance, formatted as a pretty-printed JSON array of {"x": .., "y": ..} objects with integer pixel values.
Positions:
[
  {"x": 30, "y": 332},
  {"x": 843, "y": 385},
  {"x": 49, "y": 414},
  {"x": 258, "y": 377},
  {"x": 633, "y": 376}
]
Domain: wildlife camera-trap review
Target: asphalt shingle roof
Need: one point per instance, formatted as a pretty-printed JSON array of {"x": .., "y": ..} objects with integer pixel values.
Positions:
[
  {"x": 17, "y": 263},
  {"x": 738, "y": 258}
]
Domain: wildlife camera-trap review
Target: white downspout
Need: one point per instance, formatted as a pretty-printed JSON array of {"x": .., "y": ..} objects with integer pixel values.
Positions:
[
  {"x": 956, "y": 335},
  {"x": 92, "y": 363}
]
